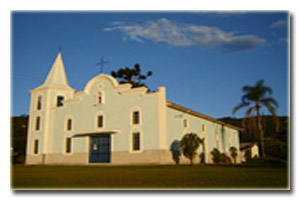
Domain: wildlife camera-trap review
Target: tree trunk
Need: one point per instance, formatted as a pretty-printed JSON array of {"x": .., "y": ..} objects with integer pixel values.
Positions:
[{"x": 261, "y": 131}]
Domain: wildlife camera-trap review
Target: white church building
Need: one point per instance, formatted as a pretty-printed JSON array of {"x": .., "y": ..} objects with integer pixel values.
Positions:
[{"x": 114, "y": 124}]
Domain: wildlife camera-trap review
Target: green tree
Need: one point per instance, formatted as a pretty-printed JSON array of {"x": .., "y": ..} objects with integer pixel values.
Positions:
[
  {"x": 216, "y": 156},
  {"x": 233, "y": 153},
  {"x": 260, "y": 96},
  {"x": 131, "y": 75},
  {"x": 275, "y": 148},
  {"x": 189, "y": 145}
]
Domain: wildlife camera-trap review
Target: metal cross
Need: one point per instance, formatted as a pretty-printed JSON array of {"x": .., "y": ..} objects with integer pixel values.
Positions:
[{"x": 101, "y": 63}]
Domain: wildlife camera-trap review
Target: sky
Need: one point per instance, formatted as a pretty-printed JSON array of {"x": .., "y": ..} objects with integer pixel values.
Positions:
[{"x": 202, "y": 58}]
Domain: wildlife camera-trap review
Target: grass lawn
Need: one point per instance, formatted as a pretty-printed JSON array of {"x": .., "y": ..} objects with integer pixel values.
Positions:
[{"x": 260, "y": 174}]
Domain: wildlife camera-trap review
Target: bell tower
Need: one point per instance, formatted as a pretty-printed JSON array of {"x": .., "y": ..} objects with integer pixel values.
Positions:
[{"x": 44, "y": 100}]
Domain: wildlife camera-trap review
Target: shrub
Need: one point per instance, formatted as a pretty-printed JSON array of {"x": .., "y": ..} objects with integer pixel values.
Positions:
[
  {"x": 217, "y": 156},
  {"x": 233, "y": 153},
  {"x": 248, "y": 154},
  {"x": 189, "y": 145},
  {"x": 176, "y": 151},
  {"x": 275, "y": 148}
]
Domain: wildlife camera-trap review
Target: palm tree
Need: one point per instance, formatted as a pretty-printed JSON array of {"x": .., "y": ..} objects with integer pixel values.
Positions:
[{"x": 259, "y": 95}]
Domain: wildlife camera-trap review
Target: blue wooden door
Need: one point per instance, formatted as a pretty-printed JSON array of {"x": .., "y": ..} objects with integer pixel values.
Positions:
[{"x": 100, "y": 149}]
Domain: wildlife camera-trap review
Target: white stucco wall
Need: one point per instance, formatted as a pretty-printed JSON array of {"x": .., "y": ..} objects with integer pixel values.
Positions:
[
  {"x": 117, "y": 111},
  {"x": 176, "y": 130}
]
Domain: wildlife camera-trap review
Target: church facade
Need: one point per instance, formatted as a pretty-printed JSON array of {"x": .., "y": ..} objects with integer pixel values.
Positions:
[{"x": 112, "y": 123}]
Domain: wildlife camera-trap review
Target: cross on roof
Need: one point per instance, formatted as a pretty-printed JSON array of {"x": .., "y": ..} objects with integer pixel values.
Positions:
[{"x": 101, "y": 63}]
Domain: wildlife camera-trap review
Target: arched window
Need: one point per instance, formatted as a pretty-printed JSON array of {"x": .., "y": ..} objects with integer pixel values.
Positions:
[
  {"x": 39, "y": 103},
  {"x": 136, "y": 143},
  {"x": 68, "y": 145},
  {"x": 136, "y": 117},
  {"x": 136, "y": 140},
  {"x": 36, "y": 147},
  {"x": 185, "y": 123},
  {"x": 100, "y": 121},
  {"x": 100, "y": 98},
  {"x": 203, "y": 128},
  {"x": 37, "y": 123},
  {"x": 69, "y": 124}
]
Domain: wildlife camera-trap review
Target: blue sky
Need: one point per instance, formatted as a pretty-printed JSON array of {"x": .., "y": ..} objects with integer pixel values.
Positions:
[{"x": 202, "y": 58}]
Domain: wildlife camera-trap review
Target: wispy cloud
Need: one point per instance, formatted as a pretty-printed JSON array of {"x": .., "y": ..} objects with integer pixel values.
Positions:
[
  {"x": 164, "y": 30},
  {"x": 279, "y": 24}
]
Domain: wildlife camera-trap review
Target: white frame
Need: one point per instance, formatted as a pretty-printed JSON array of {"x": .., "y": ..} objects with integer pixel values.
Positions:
[
  {"x": 203, "y": 128},
  {"x": 132, "y": 110},
  {"x": 136, "y": 130},
  {"x": 65, "y": 146},
  {"x": 35, "y": 124},
  {"x": 187, "y": 123},
  {"x": 96, "y": 120},
  {"x": 37, "y": 102}
]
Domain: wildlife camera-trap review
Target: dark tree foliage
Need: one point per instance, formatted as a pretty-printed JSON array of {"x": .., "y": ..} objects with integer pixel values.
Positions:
[
  {"x": 19, "y": 127},
  {"x": 132, "y": 76},
  {"x": 216, "y": 156},
  {"x": 275, "y": 148},
  {"x": 248, "y": 155},
  {"x": 189, "y": 145},
  {"x": 249, "y": 135},
  {"x": 272, "y": 137}
]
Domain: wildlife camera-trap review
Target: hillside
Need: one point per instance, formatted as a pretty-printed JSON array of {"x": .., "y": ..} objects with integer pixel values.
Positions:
[
  {"x": 276, "y": 143},
  {"x": 250, "y": 135}
]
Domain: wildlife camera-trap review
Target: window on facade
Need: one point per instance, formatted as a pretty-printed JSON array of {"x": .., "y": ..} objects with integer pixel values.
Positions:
[
  {"x": 100, "y": 121},
  {"x": 136, "y": 117},
  {"x": 185, "y": 123},
  {"x": 203, "y": 128},
  {"x": 59, "y": 101},
  {"x": 39, "y": 103},
  {"x": 99, "y": 99},
  {"x": 69, "y": 124},
  {"x": 36, "y": 147},
  {"x": 136, "y": 141},
  {"x": 37, "y": 123},
  {"x": 68, "y": 145}
]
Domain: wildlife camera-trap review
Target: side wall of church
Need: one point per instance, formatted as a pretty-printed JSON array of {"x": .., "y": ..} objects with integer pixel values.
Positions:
[{"x": 215, "y": 135}]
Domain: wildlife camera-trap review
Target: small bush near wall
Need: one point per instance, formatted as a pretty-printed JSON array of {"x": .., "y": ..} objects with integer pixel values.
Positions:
[
  {"x": 216, "y": 156},
  {"x": 275, "y": 148},
  {"x": 220, "y": 158},
  {"x": 248, "y": 154}
]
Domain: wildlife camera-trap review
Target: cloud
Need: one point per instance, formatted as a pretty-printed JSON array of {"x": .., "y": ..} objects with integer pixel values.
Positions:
[
  {"x": 164, "y": 30},
  {"x": 279, "y": 24}
]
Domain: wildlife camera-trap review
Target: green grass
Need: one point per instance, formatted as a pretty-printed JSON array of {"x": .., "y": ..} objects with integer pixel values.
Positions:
[{"x": 259, "y": 174}]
